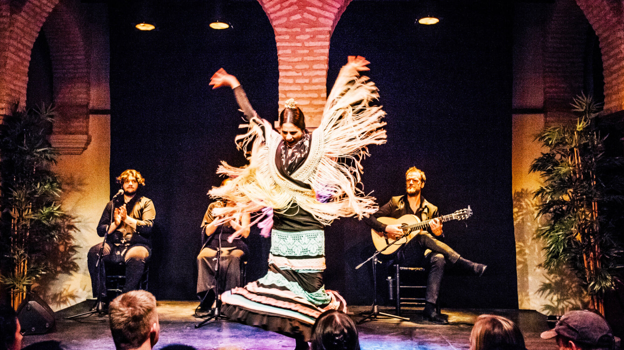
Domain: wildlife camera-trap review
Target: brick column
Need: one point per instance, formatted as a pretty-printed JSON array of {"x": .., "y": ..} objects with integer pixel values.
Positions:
[
  {"x": 20, "y": 23},
  {"x": 70, "y": 68},
  {"x": 607, "y": 19},
  {"x": 564, "y": 54},
  {"x": 303, "y": 29}
]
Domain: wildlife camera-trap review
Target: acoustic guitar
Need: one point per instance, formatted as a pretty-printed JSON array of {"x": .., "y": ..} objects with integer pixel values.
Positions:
[{"x": 411, "y": 226}]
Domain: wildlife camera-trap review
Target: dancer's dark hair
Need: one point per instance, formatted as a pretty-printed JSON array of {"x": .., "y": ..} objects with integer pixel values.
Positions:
[
  {"x": 292, "y": 114},
  {"x": 334, "y": 330}
]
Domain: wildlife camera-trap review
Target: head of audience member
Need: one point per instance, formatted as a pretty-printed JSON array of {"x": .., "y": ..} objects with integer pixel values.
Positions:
[
  {"x": 10, "y": 330},
  {"x": 134, "y": 320},
  {"x": 334, "y": 330},
  {"x": 492, "y": 332},
  {"x": 582, "y": 330},
  {"x": 292, "y": 123}
]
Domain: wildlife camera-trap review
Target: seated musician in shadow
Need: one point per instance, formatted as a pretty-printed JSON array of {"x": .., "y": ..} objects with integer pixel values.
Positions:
[
  {"x": 426, "y": 248},
  {"x": 127, "y": 222},
  {"x": 216, "y": 233}
]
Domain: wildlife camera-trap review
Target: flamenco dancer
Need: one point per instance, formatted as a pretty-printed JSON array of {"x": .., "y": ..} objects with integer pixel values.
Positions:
[{"x": 296, "y": 181}]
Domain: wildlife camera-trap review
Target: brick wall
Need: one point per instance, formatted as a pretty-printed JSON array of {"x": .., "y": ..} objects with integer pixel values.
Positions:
[
  {"x": 564, "y": 56},
  {"x": 20, "y": 24},
  {"x": 607, "y": 19},
  {"x": 303, "y": 30},
  {"x": 70, "y": 69}
]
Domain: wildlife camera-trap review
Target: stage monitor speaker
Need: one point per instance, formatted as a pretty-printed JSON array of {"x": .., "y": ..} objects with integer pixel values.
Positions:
[{"x": 35, "y": 316}]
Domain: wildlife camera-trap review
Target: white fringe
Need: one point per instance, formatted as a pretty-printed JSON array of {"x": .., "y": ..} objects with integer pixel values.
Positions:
[{"x": 333, "y": 168}]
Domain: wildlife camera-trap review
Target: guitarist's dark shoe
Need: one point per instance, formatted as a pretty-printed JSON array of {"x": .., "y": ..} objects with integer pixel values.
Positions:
[
  {"x": 471, "y": 267},
  {"x": 101, "y": 307},
  {"x": 431, "y": 314},
  {"x": 436, "y": 318}
]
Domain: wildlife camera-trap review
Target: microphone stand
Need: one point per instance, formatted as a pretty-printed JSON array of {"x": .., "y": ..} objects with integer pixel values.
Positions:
[
  {"x": 375, "y": 313},
  {"x": 216, "y": 311},
  {"x": 98, "y": 307}
]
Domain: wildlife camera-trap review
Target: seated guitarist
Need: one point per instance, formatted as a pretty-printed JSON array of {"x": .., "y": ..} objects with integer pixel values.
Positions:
[{"x": 425, "y": 249}]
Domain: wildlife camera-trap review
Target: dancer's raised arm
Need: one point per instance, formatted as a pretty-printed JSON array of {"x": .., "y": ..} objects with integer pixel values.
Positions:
[
  {"x": 222, "y": 78},
  {"x": 357, "y": 63}
]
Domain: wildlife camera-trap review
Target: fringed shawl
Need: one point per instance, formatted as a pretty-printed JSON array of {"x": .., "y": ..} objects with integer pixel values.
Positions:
[{"x": 332, "y": 169}]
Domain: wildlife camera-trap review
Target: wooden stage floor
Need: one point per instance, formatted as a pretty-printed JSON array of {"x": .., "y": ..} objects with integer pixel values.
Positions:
[{"x": 178, "y": 327}]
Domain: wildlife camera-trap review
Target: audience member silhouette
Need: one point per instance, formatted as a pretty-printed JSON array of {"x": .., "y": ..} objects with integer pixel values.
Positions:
[
  {"x": 582, "y": 330},
  {"x": 10, "y": 330},
  {"x": 492, "y": 332},
  {"x": 334, "y": 330},
  {"x": 134, "y": 320}
]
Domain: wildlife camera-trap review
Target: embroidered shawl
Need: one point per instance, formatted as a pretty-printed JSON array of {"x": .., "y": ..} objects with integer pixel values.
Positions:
[{"x": 332, "y": 169}]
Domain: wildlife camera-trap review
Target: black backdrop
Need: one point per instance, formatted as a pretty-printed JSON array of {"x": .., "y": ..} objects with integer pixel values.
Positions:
[{"x": 446, "y": 89}]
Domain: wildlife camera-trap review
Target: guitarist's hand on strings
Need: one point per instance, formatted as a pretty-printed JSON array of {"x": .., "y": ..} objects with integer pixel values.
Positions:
[
  {"x": 394, "y": 231},
  {"x": 436, "y": 227}
]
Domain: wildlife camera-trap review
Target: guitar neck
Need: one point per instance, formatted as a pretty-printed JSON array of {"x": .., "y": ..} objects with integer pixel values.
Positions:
[{"x": 425, "y": 224}]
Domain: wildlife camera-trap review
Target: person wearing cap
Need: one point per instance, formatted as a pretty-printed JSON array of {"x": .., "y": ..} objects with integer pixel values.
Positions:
[{"x": 582, "y": 329}]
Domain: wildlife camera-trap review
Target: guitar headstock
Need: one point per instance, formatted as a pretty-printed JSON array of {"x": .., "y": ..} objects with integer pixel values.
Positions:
[{"x": 463, "y": 214}]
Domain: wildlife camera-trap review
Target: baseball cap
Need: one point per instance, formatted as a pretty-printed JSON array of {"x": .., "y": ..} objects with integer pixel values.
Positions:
[{"x": 584, "y": 328}]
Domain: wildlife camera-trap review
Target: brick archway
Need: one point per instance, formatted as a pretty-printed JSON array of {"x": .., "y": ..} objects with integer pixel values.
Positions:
[
  {"x": 20, "y": 23},
  {"x": 607, "y": 19},
  {"x": 303, "y": 30},
  {"x": 71, "y": 83},
  {"x": 564, "y": 60}
]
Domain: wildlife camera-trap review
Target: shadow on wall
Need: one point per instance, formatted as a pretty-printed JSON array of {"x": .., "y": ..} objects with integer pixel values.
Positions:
[
  {"x": 61, "y": 256},
  {"x": 559, "y": 289}
]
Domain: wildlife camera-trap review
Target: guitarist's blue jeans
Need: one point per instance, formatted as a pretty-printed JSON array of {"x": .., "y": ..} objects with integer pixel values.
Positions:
[{"x": 414, "y": 254}]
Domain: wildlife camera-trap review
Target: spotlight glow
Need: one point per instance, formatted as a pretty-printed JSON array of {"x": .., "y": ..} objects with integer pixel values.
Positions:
[
  {"x": 145, "y": 27},
  {"x": 428, "y": 21},
  {"x": 219, "y": 25}
]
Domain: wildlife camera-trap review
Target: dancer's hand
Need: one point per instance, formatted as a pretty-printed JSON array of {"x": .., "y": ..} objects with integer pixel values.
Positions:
[
  {"x": 222, "y": 78},
  {"x": 357, "y": 64}
]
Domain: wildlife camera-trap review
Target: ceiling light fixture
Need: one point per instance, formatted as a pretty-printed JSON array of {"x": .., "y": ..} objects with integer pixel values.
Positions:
[
  {"x": 218, "y": 21},
  {"x": 428, "y": 20},
  {"x": 427, "y": 14},
  {"x": 219, "y": 25},
  {"x": 145, "y": 27}
]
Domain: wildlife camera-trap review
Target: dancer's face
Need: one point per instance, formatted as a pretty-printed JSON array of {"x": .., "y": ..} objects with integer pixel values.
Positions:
[{"x": 291, "y": 134}]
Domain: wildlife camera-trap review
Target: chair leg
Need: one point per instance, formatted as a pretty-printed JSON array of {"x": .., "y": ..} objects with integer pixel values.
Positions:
[
  {"x": 398, "y": 288},
  {"x": 144, "y": 284},
  {"x": 243, "y": 274}
]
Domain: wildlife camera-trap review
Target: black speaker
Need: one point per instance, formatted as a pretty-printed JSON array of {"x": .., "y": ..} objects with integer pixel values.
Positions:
[{"x": 35, "y": 316}]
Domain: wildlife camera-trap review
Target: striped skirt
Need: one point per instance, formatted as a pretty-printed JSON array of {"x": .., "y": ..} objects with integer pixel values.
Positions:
[{"x": 290, "y": 297}]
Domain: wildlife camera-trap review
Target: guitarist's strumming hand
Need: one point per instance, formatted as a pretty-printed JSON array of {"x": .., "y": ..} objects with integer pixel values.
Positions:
[
  {"x": 436, "y": 226},
  {"x": 394, "y": 231}
]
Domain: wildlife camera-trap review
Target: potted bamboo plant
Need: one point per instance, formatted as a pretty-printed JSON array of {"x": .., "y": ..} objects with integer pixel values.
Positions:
[
  {"x": 34, "y": 228},
  {"x": 581, "y": 192}
]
